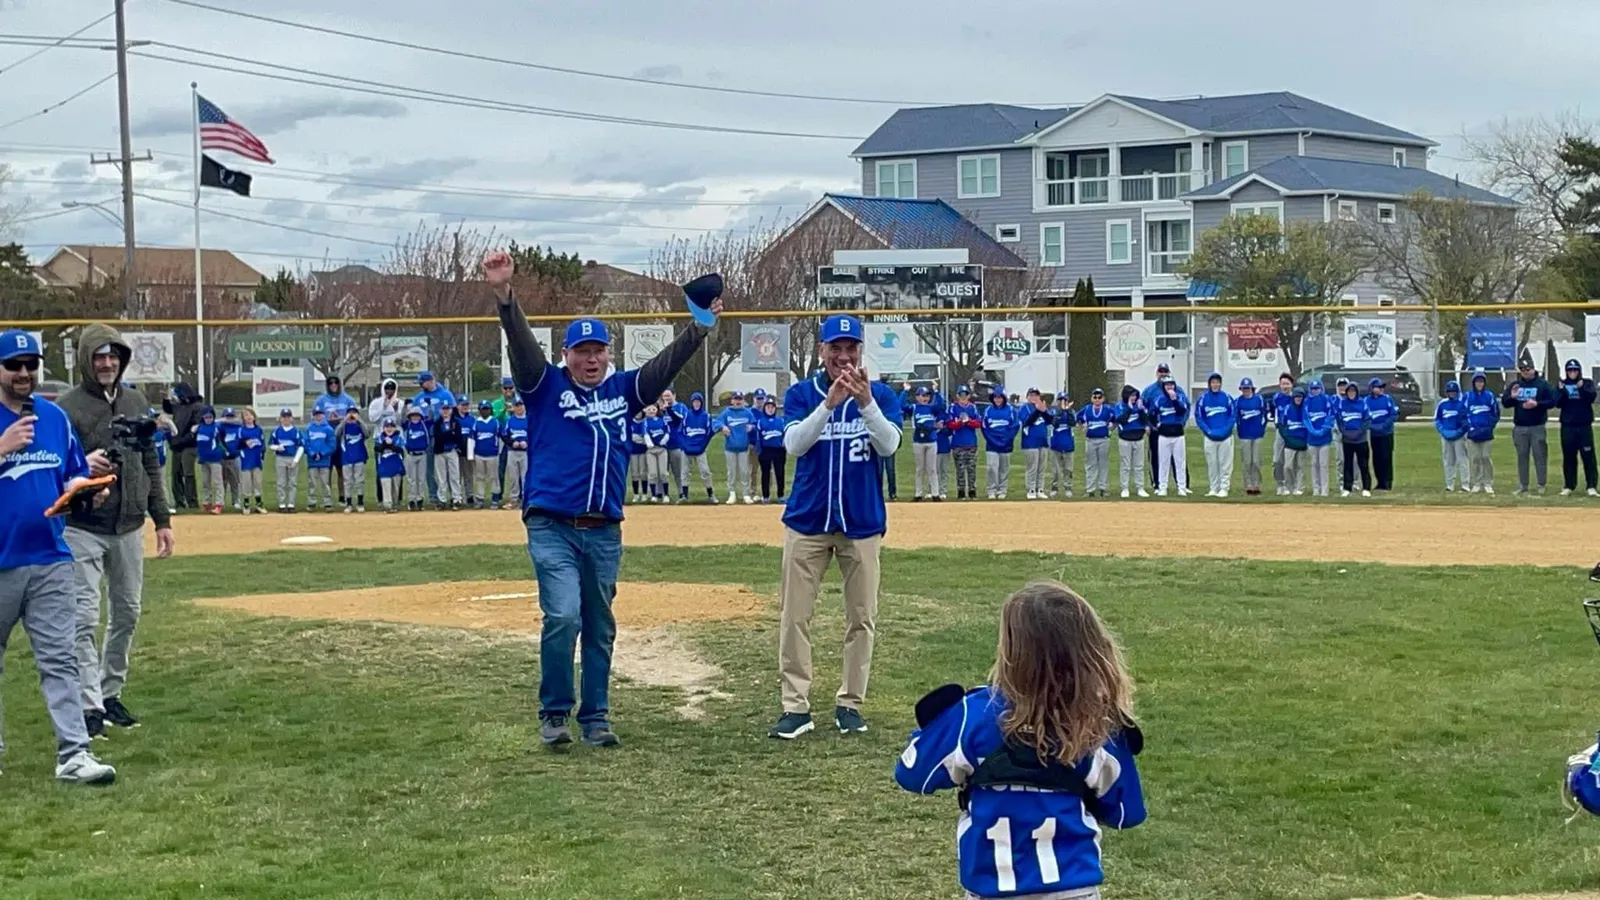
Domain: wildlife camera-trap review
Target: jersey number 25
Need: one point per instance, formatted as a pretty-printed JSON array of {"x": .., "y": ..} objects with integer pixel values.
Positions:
[{"x": 859, "y": 450}]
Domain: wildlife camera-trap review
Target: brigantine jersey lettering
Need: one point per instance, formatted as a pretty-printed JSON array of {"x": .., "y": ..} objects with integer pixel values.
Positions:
[
  {"x": 580, "y": 439},
  {"x": 837, "y": 487},
  {"x": 30, "y": 480}
]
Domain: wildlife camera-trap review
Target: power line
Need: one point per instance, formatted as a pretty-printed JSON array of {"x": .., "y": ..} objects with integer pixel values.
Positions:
[
  {"x": 246, "y": 252},
  {"x": 385, "y": 89},
  {"x": 58, "y": 104},
  {"x": 632, "y": 79},
  {"x": 225, "y": 215},
  {"x": 46, "y": 48}
]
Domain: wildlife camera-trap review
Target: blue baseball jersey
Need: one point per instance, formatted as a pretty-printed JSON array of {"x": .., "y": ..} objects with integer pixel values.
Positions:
[
  {"x": 1061, "y": 436},
  {"x": 1252, "y": 413},
  {"x": 837, "y": 486},
  {"x": 390, "y": 448},
  {"x": 418, "y": 435},
  {"x": 636, "y": 444},
  {"x": 320, "y": 441},
  {"x": 1384, "y": 413},
  {"x": 287, "y": 441},
  {"x": 353, "y": 443},
  {"x": 675, "y": 414},
  {"x": 580, "y": 438},
  {"x": 695, "y": 434},
  {"x": 251, "y": 448},
  {"x": 1097, "y": 420},
  {"x": 31, "y": 479},
  {"x": 208, "y": 443},
  {"x": 924, "y": 423},
  {"x": 770, "y": 429},
  {"x": 516, "y": 432},
  {"x": 161, "y": 439},
  {"x": 741, "y": 423},
  {"x": 655, "y": 431},
  {"x": 1013, "y": 841},
  {"x": 485, "y": 437},
  {"x": 228, "y": 436},
  {"x": 430, "y": 402},
  {"x": 1000, "y": 424}
]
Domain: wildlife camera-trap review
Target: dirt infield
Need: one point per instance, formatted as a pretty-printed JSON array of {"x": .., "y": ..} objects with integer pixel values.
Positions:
[{"x": 1402, "y": 535}]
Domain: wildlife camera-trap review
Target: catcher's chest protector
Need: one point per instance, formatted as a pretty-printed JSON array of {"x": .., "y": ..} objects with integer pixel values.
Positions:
[{"x": 1583, "y": 779}]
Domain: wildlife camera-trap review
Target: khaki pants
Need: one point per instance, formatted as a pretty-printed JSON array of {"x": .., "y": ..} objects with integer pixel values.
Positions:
[{"x": 805, "y": 561}]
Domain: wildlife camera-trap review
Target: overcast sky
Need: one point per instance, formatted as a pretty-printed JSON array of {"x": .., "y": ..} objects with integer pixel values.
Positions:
[{"x": 1434, "y": 67}]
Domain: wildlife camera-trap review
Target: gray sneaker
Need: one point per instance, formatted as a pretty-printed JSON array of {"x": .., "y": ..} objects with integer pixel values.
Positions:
[
  {"x": 849, "y": 720},
  {"x": 83, "y": 768},
  {"x": 555, "y": 731},
  {"x": 599, "y": 734}
]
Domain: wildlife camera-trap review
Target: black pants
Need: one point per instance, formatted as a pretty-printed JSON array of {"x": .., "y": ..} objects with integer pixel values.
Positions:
[
  {"x": 1577, "y": 442},
  {"x": 773, "y": 461},
  {"x": 1357, "y": 455},
  {"x": 886, "y": 464},
  {"x": 1383, "y": 460},
  {"x": 185, "y": 492}
]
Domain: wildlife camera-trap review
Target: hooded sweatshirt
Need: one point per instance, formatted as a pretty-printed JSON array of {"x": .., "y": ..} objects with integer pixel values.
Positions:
[
  {"x": 1483, "y": 412},
  {"x": 385, "y": 405},
  {"x": 1132, "y": 417},
  {"x": 1450, "y": 415},
  {"x": 1251, "y": 413},
  {"x": 1576, "y": 401},
  {"x": 1524, "y": 389},
  {"x": 999, "y": 427},
  {"x": 137, "y": 490},
  {"x": 1319, "y": 417},
  {"x": 1354, "y": 420},
  {"x": 1214, "y": 413},
  {"x": 695, "y": 433},
  {"x": 334, "y": 404},
  {"x": 1292, "y": 423},
  {"x": 184, "y": 407}
]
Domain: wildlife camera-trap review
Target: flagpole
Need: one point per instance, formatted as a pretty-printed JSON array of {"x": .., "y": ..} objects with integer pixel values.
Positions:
[{"x": 199, "y": 286}]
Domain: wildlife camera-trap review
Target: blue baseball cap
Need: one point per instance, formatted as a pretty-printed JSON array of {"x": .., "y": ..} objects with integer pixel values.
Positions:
[
  {"x": 507, "y": 382},
  {"x": 924, "y": 392},
  {"x": 1574, "y": 365},
  {"x": 228, "y": 411},
  {"x": 286, "y": 411},
  {"x": 484, "y": 404},
  {"x": 424, "y": 377},
  {"x": 15, "y": 343},
  {"x": 841, "y": 328},
  {"x": 1246, "y": 383},
  {"x": 963, "y": 390},
  {"x": 586, "y": 330},
  {"x": 1376, "y": 382}
]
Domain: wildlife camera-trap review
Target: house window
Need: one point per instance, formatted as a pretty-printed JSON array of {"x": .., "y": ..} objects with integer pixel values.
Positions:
[
  {"x": 1386, "y": 305},
  {"x": 1235, "y": 158},
  {"x": 1400, "y": 157},
  {"x": 1347, "y": 210},
  {"x": 1350, "y": 300},
  {"x": 1119, "y": 242},
  {"x": 1052, "y": 244},
  {"x": 1008, "y": 234},
  {"x": 1172, "y": 329},
  {"x": 1386, "y": 213},
  {"x": 1271, "y": 210},
  {"x": 1167, "y": 245},
  {"x": 980, "y": 176},
  {"x": 1183, "y": 159},
  {"x": 1094, "y": 181},
  {"x": 898, "y": 179}
]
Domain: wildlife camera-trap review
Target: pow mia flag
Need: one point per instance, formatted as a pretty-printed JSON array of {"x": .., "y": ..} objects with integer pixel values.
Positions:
[{"x": 214, "y": 174}]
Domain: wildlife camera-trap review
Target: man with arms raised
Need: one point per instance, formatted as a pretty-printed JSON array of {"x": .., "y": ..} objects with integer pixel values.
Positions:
[
  {"x": 840, "y": 423},
  {"x": 578, "y": 418}
]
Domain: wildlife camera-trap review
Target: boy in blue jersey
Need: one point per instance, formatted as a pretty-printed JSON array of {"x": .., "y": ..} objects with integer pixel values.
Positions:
[
  {"x": 389, "y": 446},
  {"x": 1132, "y": 421},
  {"x": 695, "y": 438},
  {"x": 209, "y": 453},
  {"x": 925, "y": 427},
  {"x": 430, "y": 399},
  {"x": 1319, "y": 436},
  {"x": 1354, "y": 424},
  {"x": 1292, "y": 431},
  {"x": 944, "y": 447},
  {"x": 1169, "y": 412},
  {"x": 677, "y": 462},
  {"x": 288, "y": 447},
  {"x": 1043, "y": 757},
  {"x": 418, "y": 436},
  {"x": 449, "y": 439},
  {"x": 1483, "y": 414},
  {"x": 353, "y": 458},
  {"x": 228, "y": 426},
  {"x": 1251, "y": 413},
  {"x": 1450, "y": 420},
  {"x": 252, "y": 456},
  {"x": 999, "y": 436},
  {"x": 516, "y": 436},
  {"x": 964, "y": 420},
  {"x": 1214, "y": 416},
  {"x": 636, "y": 448},
  {"x": 1062, "y": 446},
  {"x": 1384, "y": 413},
  {"x": 40, "y": 459},
  {"x": 572, "y": 501},
  {"x": 840, "y": 423},
  {"x": 464, "y": 450},
  {"x": 483, "y": 454},
  {"x": 1280, "y": 400},
  {"x": 655, "y": 453},
  {"x": 321, "y": 441},
  {"x": 773, "y": 458},
  {"x": 1033, "y": 427},
  {"x": 1098, "y": 419},
  {"x": 736, "y": 424}
]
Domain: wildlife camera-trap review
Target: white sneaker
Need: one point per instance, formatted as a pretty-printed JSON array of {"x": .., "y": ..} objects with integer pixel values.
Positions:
[
  {"x": 1566, "y": 492},
  {"x": 1487, "y": 490},
  {"x": 1143, "y": 492},
  {"x": 1222, "y": 495},
  {"x": 1161, "y": 492},
  {"x": 1344, "y": 493},
  {"x": 1125, "y": 493},
  {"x": 1449, "y": 489},
  {"x": 1183, "y": 492},
  {"x": 731, "y": 497},
  {"x": 1593, "y": 493},
  {"x": 749, "y": 500},
  {"x": 1366, "y": 493},
  {"x": 1300, "y": 493},
  {"x": 83, "y": 768}
]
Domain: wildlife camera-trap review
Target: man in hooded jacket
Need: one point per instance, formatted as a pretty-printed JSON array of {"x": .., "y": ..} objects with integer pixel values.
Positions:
[{"x": 107, "y": 540}]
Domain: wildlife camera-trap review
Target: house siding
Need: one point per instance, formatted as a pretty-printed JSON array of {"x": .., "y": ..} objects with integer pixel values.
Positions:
[
  {"x": 1263, "y": 149},
  {"x": 1111, "y": 122},
  {"x": 1363, "y": 151}
]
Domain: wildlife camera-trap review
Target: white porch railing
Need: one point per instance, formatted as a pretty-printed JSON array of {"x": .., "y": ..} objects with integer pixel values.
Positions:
[
  {"x": 1151, "y": 188},
  {"x": 1165, "y": 263},
  {"x": 1076, "y": 191},
  {"x": 1155, "y": 186}
]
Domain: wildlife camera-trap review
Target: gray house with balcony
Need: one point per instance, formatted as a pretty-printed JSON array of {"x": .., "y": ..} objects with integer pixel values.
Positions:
[{"x": 1118, "y": 189}]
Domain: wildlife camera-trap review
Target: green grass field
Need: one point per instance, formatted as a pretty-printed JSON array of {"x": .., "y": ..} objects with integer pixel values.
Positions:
[{"x": 1315, "y": 731}]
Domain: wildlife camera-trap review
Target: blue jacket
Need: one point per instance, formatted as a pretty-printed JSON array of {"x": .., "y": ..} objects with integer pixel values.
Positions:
[
  {"x": 286, "y": 442},
  {"x": 1384, "y": 413},
  {"x": 1153, "y": 390},
  {"x": 352, "y": 443},
  {"x": 1097, "y": 422},
  {"x": 999, "y": 428},
  {"x": 1251, "y": 414},
  {"x": 1292, "y": 426},
  {"x": 418, "y": 435},
  {"x": 515, "y": 432},
  {"x": 1450, "y": 418},
  {"x": 741, "y": 423},
  {"x": 636, "y": 444},
  {"x": 251, "y": 448},
  {"x": 695, "y": 433},
  {"x": 1214, "y": 415},
  {"x": 770, "y": 431},
  {"x": 1354, "y": 421},
  {"x": 1319, "y": 419},
  {"x": 1061, "y": 437},
  {"x": 1483, "y": 414},
  {"x": 429, "y": 402},
  {"x": 320, "y": 444},
  {"x": 208, "y": 442},
  {"x": 838, "y": 487},
  {"x": 964, "y": 434},
  {"x": 1133, "y": 421},
  {"x": 925, "y": 423},
  {"x": 1170, "y": 414},
  {"x": 1034, "y": 426},
  {"x": 945, "y": 752},
  {"x": 391, "y": 452},
  {"x": 34, "y": 477}
]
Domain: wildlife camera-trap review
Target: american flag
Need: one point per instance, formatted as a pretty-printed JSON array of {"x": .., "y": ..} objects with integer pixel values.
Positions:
[{"x": 218, "y": 132}]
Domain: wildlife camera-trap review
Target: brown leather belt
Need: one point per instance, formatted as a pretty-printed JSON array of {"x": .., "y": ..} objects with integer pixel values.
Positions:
[{"x": 582, "y": 523}]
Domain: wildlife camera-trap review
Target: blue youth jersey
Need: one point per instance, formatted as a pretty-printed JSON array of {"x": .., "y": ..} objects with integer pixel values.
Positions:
[
  {"x": 999, "y": 428},
  {"x": 656, "y": 430},
  {"x": 1061, "y": 437},
  {"x": 353, "y": 446},
  {"x": 251, "y": 447},
  {"x": 1252, "y": 416},
  {"x": 1033, "y": 426},
  {"x": 740, "y": 422},
  {"x": 485, "y": 437},
  {"x": 1097, "y": 420},
  {"x": 208, "y": 443},
  {"x": 695, "y": 433},
  {"x": 1015, "y": 842},
  {"x": 837, "y": 487},
  {"x": 418, "y": 436},
  {"x": 320, "y": 442},
  {"x": 228, "y": 435},
  {"x": 579, "y": 436},
  {"x": 1483, "y": 413},
  {"x": 516, "y": 432},
  {"x": 770, "y": 430},
  {"x": 31, "y": 479},
  {"x": 924, "y": 423},
  {"x": 161, "y": 440},
  {"x": 636, "y": 444},
  {"x": 1214, "y": 414},
  {"x": 390, "y": 448},
  {"x": 287, "y": 441},
  {"x": 1450, "y": 418},
  {"x": 1384, "y": 413}
]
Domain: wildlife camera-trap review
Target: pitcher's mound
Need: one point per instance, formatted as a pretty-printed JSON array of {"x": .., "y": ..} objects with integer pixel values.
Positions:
[{"x": 507, "y": 606}]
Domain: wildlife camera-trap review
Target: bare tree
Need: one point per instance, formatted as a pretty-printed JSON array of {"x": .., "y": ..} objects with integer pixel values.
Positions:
[
  {"x": 1522, "y": 160},
  {"x": 11, "y": 210},
  {"x": 784, "y": 274},
  {"x": 434, "y": 273},
  {"x": 681, "y": 260}
]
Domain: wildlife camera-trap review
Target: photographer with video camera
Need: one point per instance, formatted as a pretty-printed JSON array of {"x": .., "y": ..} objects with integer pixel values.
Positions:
[{"x": 107, "y": 541}]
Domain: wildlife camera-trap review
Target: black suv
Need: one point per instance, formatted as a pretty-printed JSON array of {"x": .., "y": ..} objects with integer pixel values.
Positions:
[{"x": 1398, "y": 382}]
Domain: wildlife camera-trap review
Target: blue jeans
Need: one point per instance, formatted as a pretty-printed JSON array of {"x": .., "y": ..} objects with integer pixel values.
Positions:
[
  {"x": 577, "y": 573},
  {"x": 886, "y": 464}
]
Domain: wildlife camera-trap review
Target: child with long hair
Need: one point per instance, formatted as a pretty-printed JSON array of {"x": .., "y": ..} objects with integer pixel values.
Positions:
[{"x": 1043, "y": 755}]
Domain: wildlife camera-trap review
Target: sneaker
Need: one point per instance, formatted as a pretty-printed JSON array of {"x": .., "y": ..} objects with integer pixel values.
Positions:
[
  {"x": 555, "y": 731},
  {"x": 94, "y": 721},
  {"x": 1566, "y": 492},
  {"x": 361, "y": 508},
  {"x": 83, "y": 768},
  {"x": 849, "y": 720},
  {"x": 1594, "y": 493},
  {"x": 348, "y": 509},
  {"x": 1183, "y": 492},
  {"x": 599, "y": 734},
  {"x": 791, "y": 726},
  {"x": 1125, "y": 493},
  {"x": 1344, "y": 493},
  {"x": 1487, "y": 490},
  {"x": 731, "y": 498},
  {"x": 1366, "y": 493},
  {"x": 1143, "y": 492},
  {"x": 1448, "y": 489},
  {"x": 750, "y": 500},
  {"x": 118, "y": 715},
  {"x": 244, "y": 510},
  {"x": 1300, "y": 493}
]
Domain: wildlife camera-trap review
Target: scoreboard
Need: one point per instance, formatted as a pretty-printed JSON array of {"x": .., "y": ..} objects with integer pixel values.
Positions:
[{"x": 906, "y": 289}]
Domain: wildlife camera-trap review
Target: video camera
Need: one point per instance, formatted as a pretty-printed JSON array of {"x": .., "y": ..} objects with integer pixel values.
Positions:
[{"x": 136, "y": 435}]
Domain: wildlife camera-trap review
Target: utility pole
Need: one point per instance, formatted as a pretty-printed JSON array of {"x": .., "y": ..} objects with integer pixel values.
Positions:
[{"x": 125, "y": 162}]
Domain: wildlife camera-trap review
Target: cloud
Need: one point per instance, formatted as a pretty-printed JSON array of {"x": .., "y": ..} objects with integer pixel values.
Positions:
[
  {"x": 272, "y": 118},
  {"x": 72, "y": 168},
  {"x": 666, "y": 72},
  {"x": 414, "y": 171}
]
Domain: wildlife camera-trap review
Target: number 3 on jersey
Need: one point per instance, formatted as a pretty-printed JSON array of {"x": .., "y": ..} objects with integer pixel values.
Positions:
[
  {"x": 859, "y": 451},
  {"x": 1044, "y": 847}
]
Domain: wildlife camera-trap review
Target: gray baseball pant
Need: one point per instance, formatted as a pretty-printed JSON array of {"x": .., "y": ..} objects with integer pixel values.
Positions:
[
  {"x": 391, "y": 490},
  {"x": 1480, "y": 464},
  {"x": 678, "y": 468},
  {"x": 43, "y": 599},
  {"x": 942, "y": 471},
  {"x": 1453, "y": 454},
  {"x": 416, "y": 477},
  {"x": 1529, "y": 440},
  {"x": 655, "y": 467},
  {"x": 1277, "y": 460},
  {"x": 320, "y": 484},
  {"x": 1033, "y": 470},
  {"x": 287, "y": 472},
  {"x": 249, "y": 486},
  {"x": 355, "y": 481},
  {"x": 1131, "y": 456},
  {"x": 118, "y": 561},
  {"x": 1319, "y": 470},
  {"x": 230, "y": 480},
  {"x": 447, "y": 471},
  {"x": 1250, "y": 460},
  {"x": 1219, "y": 464},
  {"x": 926, "y": 458},
  {"x": 1292, "y": 473},
  {"x": 485, "y": 472},
  {"x": 516, "y": 473},
  {"x": 738, "y": 474},
  {"x": 997, "y": 466},
  {"x": 1096, "y": 464},
  {"x": 211, "y": 484},
  {"x": 1061, "y": 472}
]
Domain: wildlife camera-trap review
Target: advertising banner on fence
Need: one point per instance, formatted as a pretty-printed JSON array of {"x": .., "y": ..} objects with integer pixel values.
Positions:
[
  {"x": 275, "y": 388},
  {"x": 1129, "y": 344},
  {"x": 1253, "y": 343},
  {"x": 764, "y": 347},
  {"x": 401, "y": 357},
  {"x": 1369, "y": 343},
  {"x": 889, "y": 348},
  {"x": 540, "y": 335},
  {"x": 1492, "y": 342},
  {"x": 641, "y": 342},
  {"x": 1006, "y": 342}
]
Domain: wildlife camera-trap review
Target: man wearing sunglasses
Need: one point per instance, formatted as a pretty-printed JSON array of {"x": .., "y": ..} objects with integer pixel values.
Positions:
[{"x": 39, "y": 458}]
